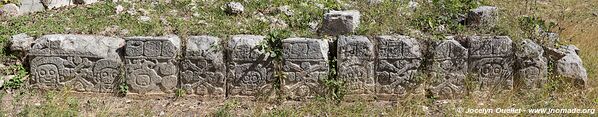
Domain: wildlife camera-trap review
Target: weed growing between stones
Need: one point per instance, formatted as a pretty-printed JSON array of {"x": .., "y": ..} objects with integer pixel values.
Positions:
[
  {"x": 17, "y": 81},
  {"x": 272, "y": 46}
]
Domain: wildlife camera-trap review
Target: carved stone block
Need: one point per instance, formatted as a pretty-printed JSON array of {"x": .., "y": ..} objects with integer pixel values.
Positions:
[
  {"x": 356, "y": 64},
  {"x": 250, "y": 70},
  {"x": 305, "y": 64},
  {"x": 448, "y": 70},
  {"x": 202, "y": 68},
  {"x": 532, "y": 67},
  {"x": 491, "y": 60},
  {"x": 151, "y": 65},
  {"x": 85, "y": 63},
  {"x": 399, "y": 58}
]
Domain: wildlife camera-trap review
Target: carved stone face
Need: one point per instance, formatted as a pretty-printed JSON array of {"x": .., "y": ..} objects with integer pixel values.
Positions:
[
  {"x": 251, "y": 78},
  {"x": 107, "y": 75},
  {"x": 47, "y": 73}
]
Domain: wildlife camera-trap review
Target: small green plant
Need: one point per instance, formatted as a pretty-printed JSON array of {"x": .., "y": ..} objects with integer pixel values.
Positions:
[
  {"x": 224, "y": 111},
  {"x": 123, "y": 89},
  {"x": 534, "y": 27},
  {"x": 272, "y": 45},
  {"x": 179, "y": 92},
  {"x": 442, "y": 16},
  {"x": 17, "y": 81}
]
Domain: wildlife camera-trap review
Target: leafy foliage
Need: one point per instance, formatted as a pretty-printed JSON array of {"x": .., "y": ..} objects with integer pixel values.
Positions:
[
  {"x": 17, "y": 81},
  {"x": 443, "y": 16}
]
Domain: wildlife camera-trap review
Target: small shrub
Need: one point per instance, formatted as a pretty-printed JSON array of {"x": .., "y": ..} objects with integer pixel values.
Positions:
[{"x": 17, "y": 81}]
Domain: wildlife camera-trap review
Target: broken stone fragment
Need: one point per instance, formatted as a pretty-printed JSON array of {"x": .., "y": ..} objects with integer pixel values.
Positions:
[
  {"x": 53, "y": 4},
  {"x": 340, "y": 22},
  {"x": 21, "y": 42},
  {"x": 85, "y": 1},
  {"x": 483, "y": 16},
  {"x": 30, "y": 6},
  {"x": 234, "y": 8},
  {"x": 571, "y": 66},
  {"x": 531, "y": 65},
  {"x": 10, "y": 10}
]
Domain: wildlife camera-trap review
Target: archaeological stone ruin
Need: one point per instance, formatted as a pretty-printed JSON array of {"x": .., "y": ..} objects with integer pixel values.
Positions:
[
  {"x": 375, "y": 67},
  {"x": 384, "y": 67}
]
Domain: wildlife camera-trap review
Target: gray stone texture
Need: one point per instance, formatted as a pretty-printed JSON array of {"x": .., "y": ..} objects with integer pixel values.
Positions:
[
  {"x": 53, "y": 4},
  {"x": 9, "y": 10},
  {"x": 202, "y": 67},
  {"x": 234, "y": 8},
  {"x": 82, "y": 62},
  {"x": 85, "y": 1},
  {"x": 531, "y": 66},
  {"x": 448, "y": 70},
  {"x": 355, "y": 62},
  {"x": 151, "y": 65},
  {"x": 305, "y": 63},
  {"x": 250, "y": 71},
  {"x": 30, "y": 6},
  {"x": 21, "y": 42},
  {"x": 491, "y": 60},
  {"x": 399, "y": 58},
  {"x": 340, "y": 22},
  {"x": 483, "y": 16},
  {"x": 571, "y": 66}
]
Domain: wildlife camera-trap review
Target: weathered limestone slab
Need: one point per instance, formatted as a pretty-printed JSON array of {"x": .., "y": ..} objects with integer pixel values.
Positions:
[
  {"x": 491, "y": 60},
  {"x": 571, "y": 66},
  {"x": 151, "y": 65},
  {"x": 340, "y": 22},
  {"x": 85, "y": 63},
  {"x": 250, "y": 70},
  {"x": 483, "y": 16},
  {"x": 399, "y": 57},
  {"x": 53, "y": 4},
  {"x": 9, "y": 10},
  {"x": 85, "y": 1},
  {"x": 203, "y": 68},
  {"x": 30, "y": 6},
  {"x": 448, "y": 70},
  {"x": 355, "y": 64},
  {"x": 531, "y": 65},
  {"x": 305, "y": 64}
]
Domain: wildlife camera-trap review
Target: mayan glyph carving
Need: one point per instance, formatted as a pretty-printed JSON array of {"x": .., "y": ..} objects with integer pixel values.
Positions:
[
  {"x": 305, "y": 65},
  {"x": 356, "y": 64},
  {"x": 250, "y": 71},
  {"x": 202, "y": 68},
  {"x": 531, "y": 65},
  {"x": 448, "y": 70},
  {"x": 151, "y": 65},
  {"x": 399, "y": 58},
  {"x": 82, "y": 62},
  {"x": 491, "y": 60}
]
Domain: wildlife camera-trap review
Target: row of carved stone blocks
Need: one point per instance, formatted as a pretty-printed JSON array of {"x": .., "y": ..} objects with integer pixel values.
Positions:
[{"x": 393, "y": 67}]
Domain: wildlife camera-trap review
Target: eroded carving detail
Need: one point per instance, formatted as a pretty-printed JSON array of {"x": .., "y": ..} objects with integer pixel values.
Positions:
[
  {"x": 202, "y": 69},
  {"x": 532, "y": 67},
  {"x": 150, "y": 63},
  {"x": 448, "y": 70},
  {"x": 399, "y": 58},
  {"x": 491, "y": 59},
  {"x": 59, "y": 61},
  {"x": 305, "y": 64},
  {"x": 250, "y": 71},
  {"x": 356, "y": 64}
]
